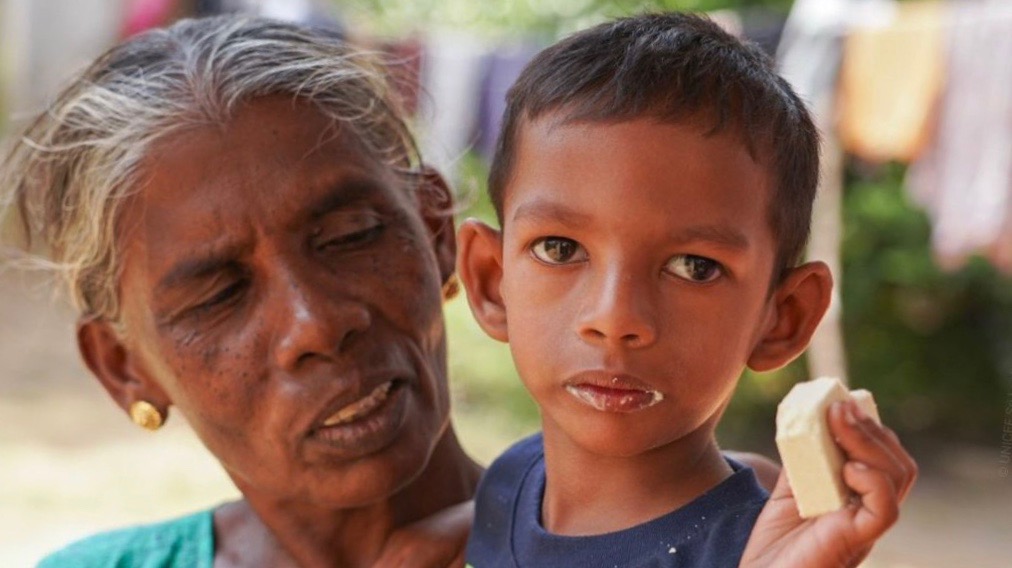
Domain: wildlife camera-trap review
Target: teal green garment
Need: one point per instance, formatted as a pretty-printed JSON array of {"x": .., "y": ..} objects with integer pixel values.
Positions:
[{"x": 184, "y": 542}]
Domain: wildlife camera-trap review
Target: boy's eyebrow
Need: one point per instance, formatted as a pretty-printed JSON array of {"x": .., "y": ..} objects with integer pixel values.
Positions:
[
  {"x": 543, "y": 209},
  {"x": 721, "y": 235}
]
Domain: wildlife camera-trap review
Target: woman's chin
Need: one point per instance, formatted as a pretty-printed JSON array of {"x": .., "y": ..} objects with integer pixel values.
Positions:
[{"x": 377, "y": 475}]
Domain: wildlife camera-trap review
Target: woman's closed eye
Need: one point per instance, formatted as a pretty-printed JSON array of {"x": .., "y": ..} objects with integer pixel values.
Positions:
[
  {"x": 558, "y": 250},
  {"x": 348, "y": 231},
  {"x": 221, "y": 297},
  {"x": 694, "y": 268}
]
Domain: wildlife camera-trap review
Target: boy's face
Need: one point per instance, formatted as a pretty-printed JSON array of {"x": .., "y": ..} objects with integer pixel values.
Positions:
[{"x": 636, "y": 260}]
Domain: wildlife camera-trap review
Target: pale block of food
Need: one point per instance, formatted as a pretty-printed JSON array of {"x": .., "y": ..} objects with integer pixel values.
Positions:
[
  {"x": 866, "y": 403},
  {"x": 812, "y": 460}
]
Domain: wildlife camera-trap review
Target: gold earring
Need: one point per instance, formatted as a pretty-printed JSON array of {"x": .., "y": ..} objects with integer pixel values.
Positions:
[
  {"x": 451, "y": 288},
  {"x": 145, "y": 415}
]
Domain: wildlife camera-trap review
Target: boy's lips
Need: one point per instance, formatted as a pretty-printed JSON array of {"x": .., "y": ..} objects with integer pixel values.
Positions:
[{"x": 612, "y": 392}]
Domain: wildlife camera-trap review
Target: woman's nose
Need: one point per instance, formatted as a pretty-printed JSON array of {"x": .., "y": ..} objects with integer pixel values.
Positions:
[
  {"x": 619, "y": 311},
  {"x": 317, "y": 324}
]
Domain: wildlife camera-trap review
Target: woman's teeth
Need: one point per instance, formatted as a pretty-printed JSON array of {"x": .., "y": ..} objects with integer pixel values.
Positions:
[{"x": 361, "y": 407}]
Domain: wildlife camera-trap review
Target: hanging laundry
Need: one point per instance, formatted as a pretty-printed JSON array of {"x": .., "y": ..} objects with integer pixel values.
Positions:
[
  {"x": 403, "y": 61},
  {"x": 503, "y": 66},
  {"x": 143, "y": 15},
  {"x": 811, "y": 44},
  {"x": 317, "y": 13},
  {"x": 808, "y": 55},
  {"x": 763, "y": 26},
  {"x": 729, "y": 20},
  {"x": 964, "y": 178},
  {"x": 890, "y": 80},
  {"x": 203, "y": 8},
  {"x": 452, "y": 72}
]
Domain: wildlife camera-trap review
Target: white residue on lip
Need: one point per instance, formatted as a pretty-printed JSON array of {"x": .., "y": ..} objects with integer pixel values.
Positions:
[{"x": 597, "y": 402}]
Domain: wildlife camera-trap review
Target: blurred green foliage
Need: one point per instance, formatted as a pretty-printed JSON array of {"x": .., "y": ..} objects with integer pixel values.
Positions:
[{"x": 936, "y": 347}]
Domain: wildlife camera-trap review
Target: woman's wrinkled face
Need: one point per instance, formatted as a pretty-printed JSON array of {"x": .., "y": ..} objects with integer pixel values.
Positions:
[{"x": 282, "y": 288}]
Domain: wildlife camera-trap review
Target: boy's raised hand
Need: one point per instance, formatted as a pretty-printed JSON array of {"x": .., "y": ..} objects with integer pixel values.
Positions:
[{"x": 880, "y": 473}]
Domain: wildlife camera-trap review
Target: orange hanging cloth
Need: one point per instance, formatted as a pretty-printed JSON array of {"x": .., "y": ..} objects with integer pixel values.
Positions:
[{"x": 890, "y": 81}]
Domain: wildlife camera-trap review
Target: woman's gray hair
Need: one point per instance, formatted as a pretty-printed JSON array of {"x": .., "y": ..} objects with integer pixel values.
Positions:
[{"x": 69, "y": 172}]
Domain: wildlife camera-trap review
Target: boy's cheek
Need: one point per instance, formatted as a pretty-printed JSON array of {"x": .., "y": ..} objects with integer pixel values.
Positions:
[{"x": 528, "y": 293}]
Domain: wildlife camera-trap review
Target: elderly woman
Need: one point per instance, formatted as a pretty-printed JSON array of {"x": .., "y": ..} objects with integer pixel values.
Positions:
[{"x": 251, "y": 240}]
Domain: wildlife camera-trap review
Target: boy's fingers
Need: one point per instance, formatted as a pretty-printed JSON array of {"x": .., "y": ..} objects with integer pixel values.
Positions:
[
  {"x": 906, "y": 460},
  {"x": 895, "y": 447},
  {"x": 879, "y": 506},
  {"x": 864, "y": 440}
]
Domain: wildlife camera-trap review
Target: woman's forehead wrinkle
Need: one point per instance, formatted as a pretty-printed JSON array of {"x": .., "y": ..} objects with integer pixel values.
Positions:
[{"x": 341, "y": 193}]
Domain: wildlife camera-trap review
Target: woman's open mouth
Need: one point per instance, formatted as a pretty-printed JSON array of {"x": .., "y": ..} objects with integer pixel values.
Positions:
[
  {"x": 368, "y": 424},
  {"x": 361, "y": 407}
]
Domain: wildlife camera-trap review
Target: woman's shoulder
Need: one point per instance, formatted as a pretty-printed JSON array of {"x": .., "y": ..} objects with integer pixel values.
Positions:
[{"x": 184, "y": 541}]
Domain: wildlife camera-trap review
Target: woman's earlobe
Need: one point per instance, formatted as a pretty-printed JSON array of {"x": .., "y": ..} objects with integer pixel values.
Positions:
[
  {"x": 799, "y": 303},
  {"x": 116, "y": 369},
  {"x": 479, "y": 264}
]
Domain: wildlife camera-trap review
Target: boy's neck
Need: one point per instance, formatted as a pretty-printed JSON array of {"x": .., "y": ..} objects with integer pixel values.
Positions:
[{"x": 589, "y": 494}]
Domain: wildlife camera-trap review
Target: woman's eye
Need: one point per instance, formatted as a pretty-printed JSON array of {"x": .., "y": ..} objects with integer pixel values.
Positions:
[
  {"x": 353, "y": 238},
  {"x": 558, "y": 250},
  {"x": 694, "y": 268},
  {"x": 223, "y": 296}
]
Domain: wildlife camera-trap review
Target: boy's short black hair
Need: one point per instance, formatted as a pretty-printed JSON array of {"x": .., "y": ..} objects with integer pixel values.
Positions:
[{"x": 675, "y": 68}]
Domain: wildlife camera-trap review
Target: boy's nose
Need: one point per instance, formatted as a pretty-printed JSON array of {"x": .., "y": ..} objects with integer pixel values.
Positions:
[
  {"x": 619, "y": 312},
  {"x": 316, "y": 324}
]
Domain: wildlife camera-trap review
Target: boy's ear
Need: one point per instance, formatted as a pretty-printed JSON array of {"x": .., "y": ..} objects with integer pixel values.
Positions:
[
  {"x": 796, "y": 308},
  {"x": 435, "y": 203},
  {"x": 116, "y": 368},
  {"x": 480, "y": 267}
]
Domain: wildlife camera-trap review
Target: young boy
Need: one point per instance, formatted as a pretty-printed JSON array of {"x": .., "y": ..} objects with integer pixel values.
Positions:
[{"x": 654, "y": 182}]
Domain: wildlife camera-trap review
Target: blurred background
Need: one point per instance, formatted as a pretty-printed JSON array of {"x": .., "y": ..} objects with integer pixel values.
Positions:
[{"x": 914, "y": 100}]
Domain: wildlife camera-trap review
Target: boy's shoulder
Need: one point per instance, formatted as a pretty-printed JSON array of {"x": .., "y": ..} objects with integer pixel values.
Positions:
[
  {"x": 501, "y": 484},
  {"x": 184, "y": 541},
  {"x": 712, "y": 530},
  {"x": 516, "y": 461}
]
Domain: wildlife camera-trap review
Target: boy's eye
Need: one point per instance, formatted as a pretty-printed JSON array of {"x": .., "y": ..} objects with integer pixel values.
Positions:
[
  {"x": 694, "y": 268},
  {"x": 558, "y": 250}
]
